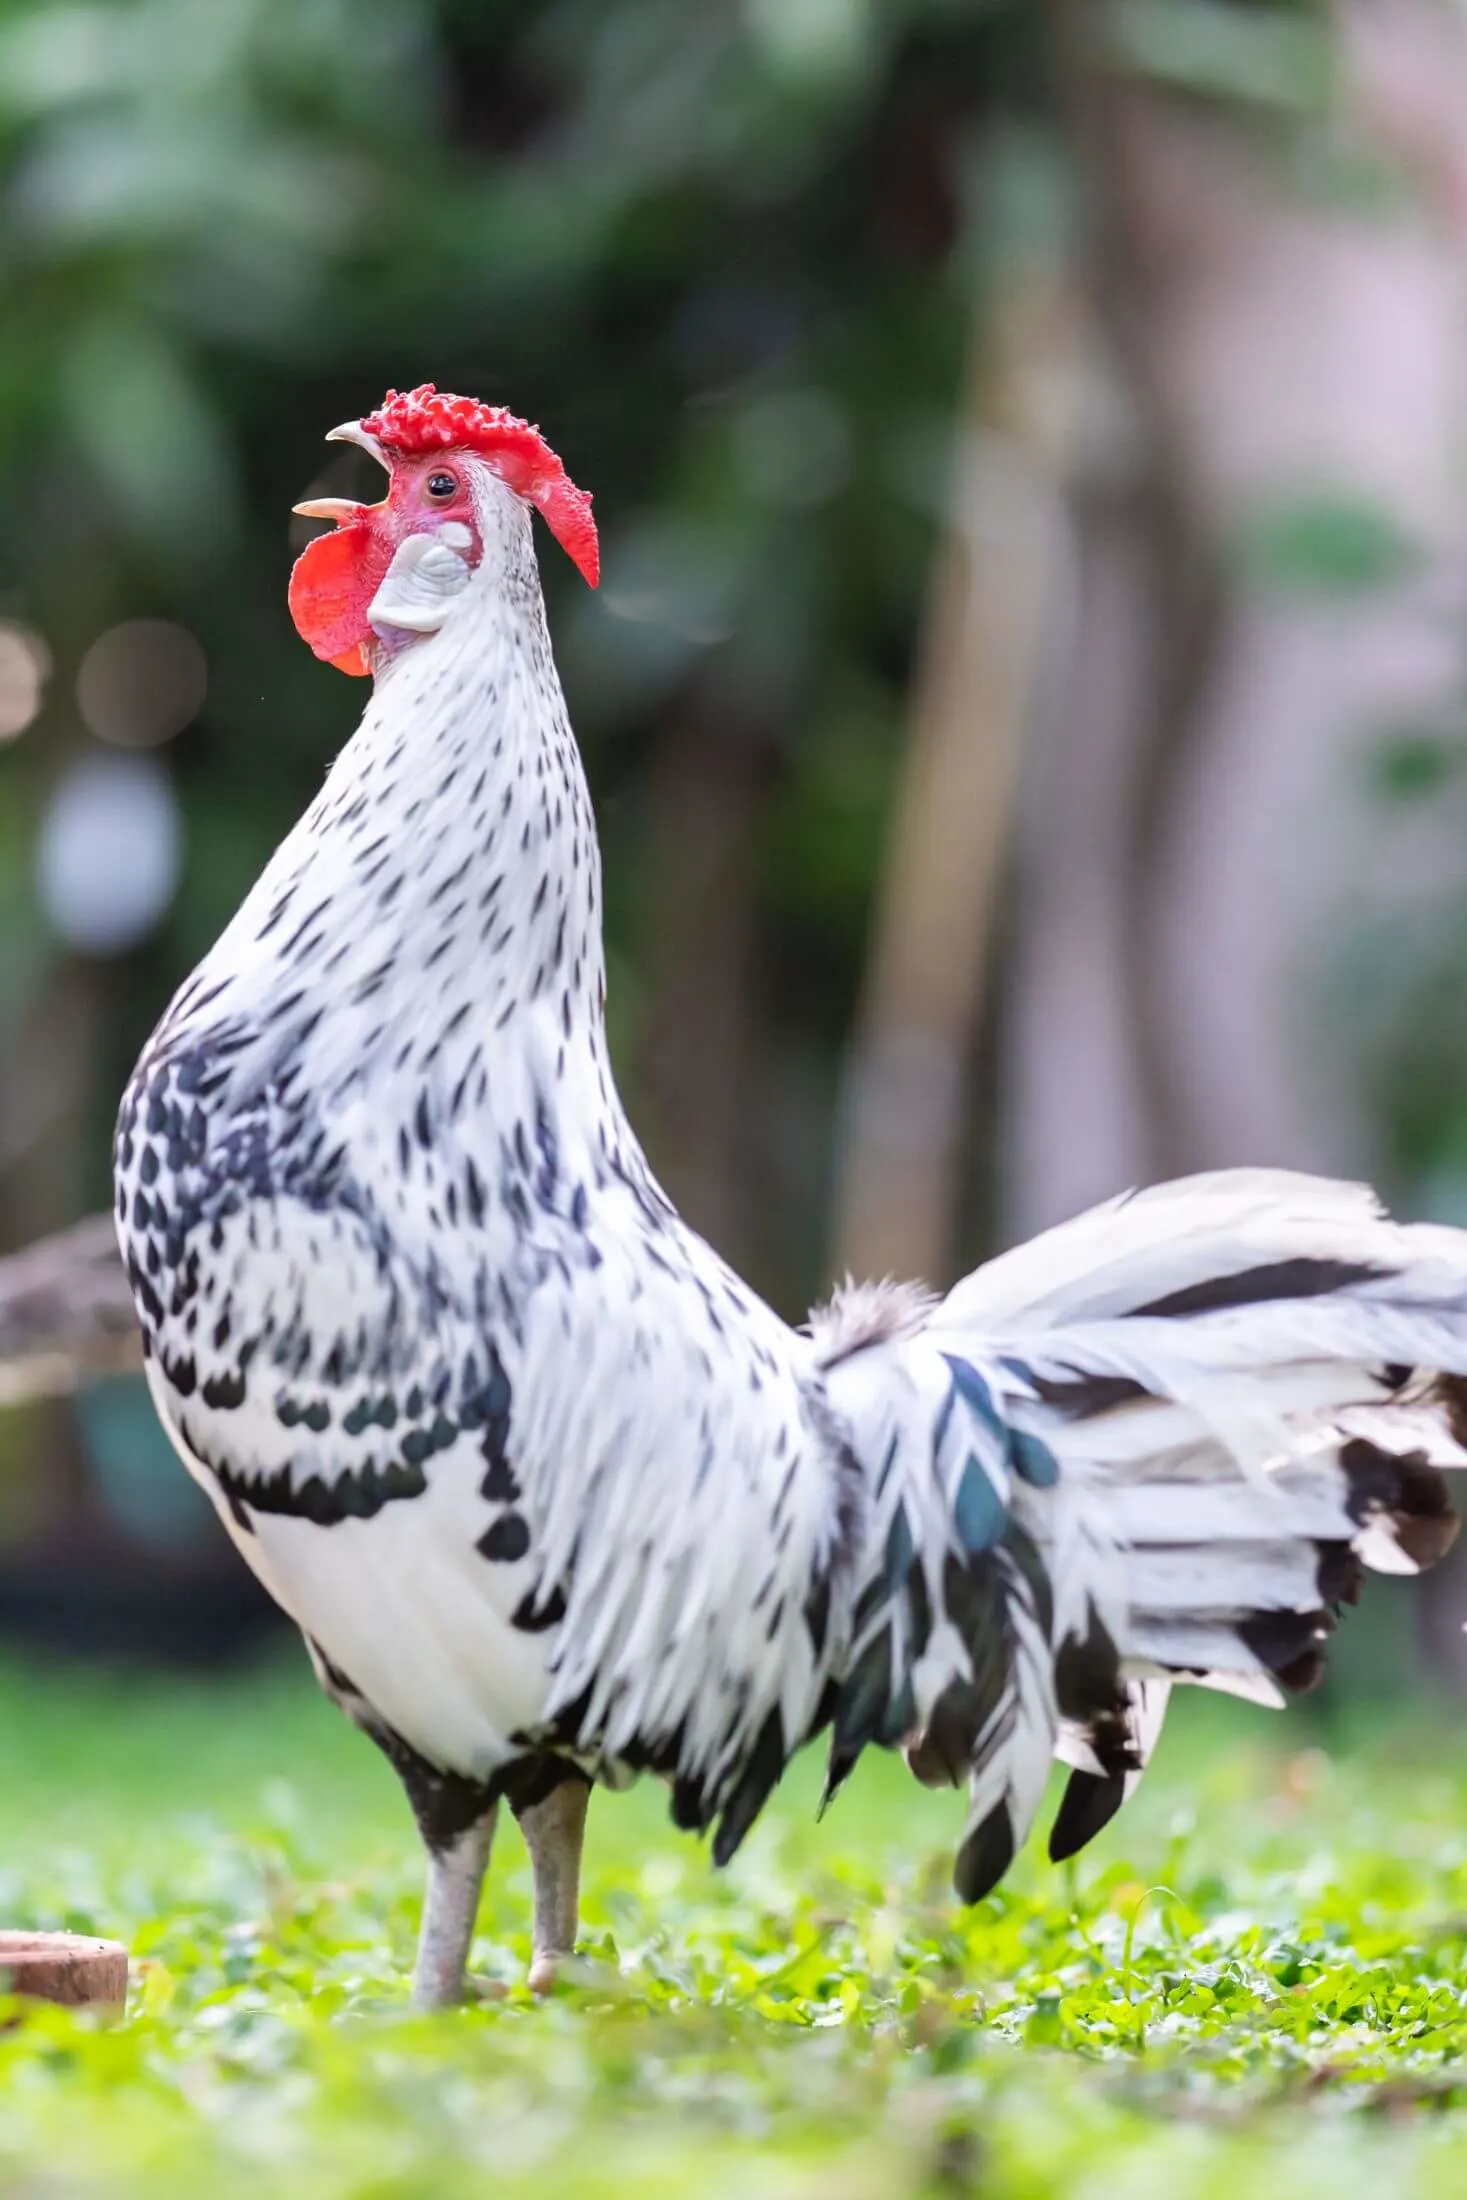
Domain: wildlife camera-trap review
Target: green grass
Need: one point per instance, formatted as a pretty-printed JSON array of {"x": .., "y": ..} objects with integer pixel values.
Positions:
[{"x": 1259, "y": 1974}]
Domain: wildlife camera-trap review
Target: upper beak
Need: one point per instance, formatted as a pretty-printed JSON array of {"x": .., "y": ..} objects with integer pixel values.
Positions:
[
  {"x": 352, "y": 431},
  {"x": 341, "y": 509}
]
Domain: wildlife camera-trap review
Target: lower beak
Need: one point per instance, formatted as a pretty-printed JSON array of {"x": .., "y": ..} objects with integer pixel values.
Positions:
[{"x": 340, "y": 509}]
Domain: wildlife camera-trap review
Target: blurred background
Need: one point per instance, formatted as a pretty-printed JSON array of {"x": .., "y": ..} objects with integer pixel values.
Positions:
[{"x": 1026, "y": 703}]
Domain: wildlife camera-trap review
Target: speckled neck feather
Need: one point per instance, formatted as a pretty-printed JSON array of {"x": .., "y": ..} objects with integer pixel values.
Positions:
[{"x": 439, "y": 904}]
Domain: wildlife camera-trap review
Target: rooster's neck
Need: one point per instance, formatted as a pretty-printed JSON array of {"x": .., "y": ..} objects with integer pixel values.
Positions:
[{"x": 434, "y": 921}]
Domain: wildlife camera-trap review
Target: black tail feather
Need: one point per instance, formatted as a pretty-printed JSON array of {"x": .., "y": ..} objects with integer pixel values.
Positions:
[
  {"x": 1089, "y": 1803},
  {"x": 757, "y": 1781},
  {"x": 986, "y": 1854},
  {"x": 1406, "y": 1487}
]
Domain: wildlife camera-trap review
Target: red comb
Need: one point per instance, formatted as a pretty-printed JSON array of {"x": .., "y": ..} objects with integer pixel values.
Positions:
[{"x": 410, "y": 423}]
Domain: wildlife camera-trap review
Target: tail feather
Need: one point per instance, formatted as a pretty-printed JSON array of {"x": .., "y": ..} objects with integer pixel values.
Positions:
[
  {"x": 1144, "y": 1247},
  {"x": 1161, "y": 1443},
  {"x": 1230, "y": 1580},
  {"x": 1010, "y": 1764},
  {"x": 1284, "y": 1643},
  {"x": 1109, "y": 1755}
]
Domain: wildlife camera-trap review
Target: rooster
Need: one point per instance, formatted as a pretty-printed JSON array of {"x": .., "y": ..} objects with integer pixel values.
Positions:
[{"x": 552, "y": 1496}]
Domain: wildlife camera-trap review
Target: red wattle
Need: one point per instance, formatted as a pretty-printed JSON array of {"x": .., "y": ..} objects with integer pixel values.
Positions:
[{"x": 332, "y": 585}]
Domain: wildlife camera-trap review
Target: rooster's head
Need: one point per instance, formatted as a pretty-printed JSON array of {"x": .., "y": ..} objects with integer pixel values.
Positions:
[{"x": 392, "y": 569}]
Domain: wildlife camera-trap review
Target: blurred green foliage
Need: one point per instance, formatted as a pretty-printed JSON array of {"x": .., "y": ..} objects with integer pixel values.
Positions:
[
  {"x": 1255, "y": 1977},
  {"x": 1332, "y": 545},
  {"x": 1277, "y": 56}
]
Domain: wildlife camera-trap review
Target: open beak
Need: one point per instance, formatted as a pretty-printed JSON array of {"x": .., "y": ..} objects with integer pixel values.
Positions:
[{"x": 343, "y": 510}]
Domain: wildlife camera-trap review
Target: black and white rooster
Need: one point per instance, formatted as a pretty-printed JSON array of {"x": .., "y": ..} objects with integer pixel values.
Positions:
[{"x": 551, "y": 1495}]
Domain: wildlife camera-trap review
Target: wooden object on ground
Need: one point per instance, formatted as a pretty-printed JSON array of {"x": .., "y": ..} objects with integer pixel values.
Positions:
[{"x": 65, "y": 1967}]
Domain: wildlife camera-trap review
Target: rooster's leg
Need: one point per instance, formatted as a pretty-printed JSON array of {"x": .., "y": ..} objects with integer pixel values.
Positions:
[
  {"x": 450, "y": 1906},
  {"x": 554, "y": 1830}
]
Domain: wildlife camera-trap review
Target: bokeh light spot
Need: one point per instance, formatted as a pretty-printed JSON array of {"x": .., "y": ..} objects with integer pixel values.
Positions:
[
  {"x": 141, "y": 683},
  {"x": 25, "y": 666},
  {"x": 109, "y": 852}
]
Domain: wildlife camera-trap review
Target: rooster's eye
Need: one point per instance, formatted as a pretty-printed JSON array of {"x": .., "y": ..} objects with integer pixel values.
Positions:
[{"x": 442, "y": 486}]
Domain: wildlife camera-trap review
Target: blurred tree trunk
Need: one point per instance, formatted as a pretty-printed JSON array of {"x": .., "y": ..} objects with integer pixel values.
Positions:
[
  {"x": 1090, "y": 1076},
  {"x": 695, "y": 1066},
  {"x": 1202, "y": 845},
  {"x": 906, "y": 1079},
  {"x": 1201, "y": 827}
]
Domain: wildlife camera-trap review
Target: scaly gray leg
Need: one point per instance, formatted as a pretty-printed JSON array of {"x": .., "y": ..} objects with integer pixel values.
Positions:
[
  {"x": 554, "y": 1831},
  {"x": 450, "y": 1906}
]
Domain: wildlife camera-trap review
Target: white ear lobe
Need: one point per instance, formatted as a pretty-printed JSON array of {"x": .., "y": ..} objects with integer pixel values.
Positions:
[{"x": 418, "y": 589}]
